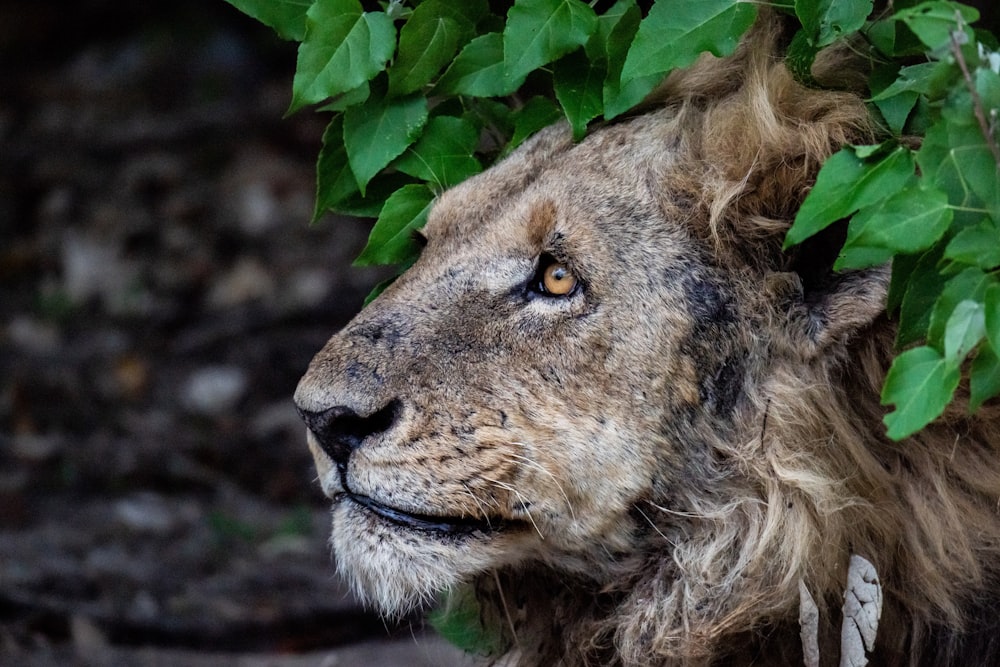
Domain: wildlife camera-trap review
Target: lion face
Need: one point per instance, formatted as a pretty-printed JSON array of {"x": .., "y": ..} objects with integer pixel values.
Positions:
[{"x": 542, "y": 369}]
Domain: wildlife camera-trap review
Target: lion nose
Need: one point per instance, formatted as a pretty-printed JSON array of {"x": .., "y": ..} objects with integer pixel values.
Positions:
[{"x": 340, "y": 430}]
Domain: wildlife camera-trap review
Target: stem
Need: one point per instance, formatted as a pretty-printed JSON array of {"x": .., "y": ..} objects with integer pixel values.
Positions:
[{"x": 977, "y": 103}]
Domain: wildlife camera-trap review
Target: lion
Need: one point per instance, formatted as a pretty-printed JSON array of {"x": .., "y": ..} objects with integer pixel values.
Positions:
[{"x": 609, "y": 409}]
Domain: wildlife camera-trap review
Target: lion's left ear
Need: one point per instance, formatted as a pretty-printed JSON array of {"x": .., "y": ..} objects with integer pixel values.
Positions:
[{"x": 818, "y": 315}]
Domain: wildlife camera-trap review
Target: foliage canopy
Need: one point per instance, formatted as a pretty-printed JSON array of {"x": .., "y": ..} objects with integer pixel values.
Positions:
[{"x": 425, "y": 93}]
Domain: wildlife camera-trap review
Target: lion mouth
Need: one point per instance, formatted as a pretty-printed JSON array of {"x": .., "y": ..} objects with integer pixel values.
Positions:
[{"x": 445, "y": 525}]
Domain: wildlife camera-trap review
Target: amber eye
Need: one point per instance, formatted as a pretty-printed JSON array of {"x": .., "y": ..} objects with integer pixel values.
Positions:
[{"x": 558, "y": 280}]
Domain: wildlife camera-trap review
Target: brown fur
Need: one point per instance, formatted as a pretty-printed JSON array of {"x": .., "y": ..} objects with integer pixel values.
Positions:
[{"x": 678, "y": 444}]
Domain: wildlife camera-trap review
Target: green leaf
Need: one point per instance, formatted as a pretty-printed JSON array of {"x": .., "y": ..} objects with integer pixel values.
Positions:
[
  {"x": 335, "y": 181},
  {"x": 579, "y": 86},
  {"x": 378, "y": 191},
  {"x": 538, "y": 113},
  {"x": 343, "y": 47},
  {"x": 390, "y": 241},
  {"x": 826, "y": 21},
  {"x": 932, "y": 79},
  {"x": 443, "y": 154},
  {"x": 922, "y": 291},
  {"x": 902, "y": 269},
  {"x": 909, "y": 221},
  {"x": 479, "y": 70},
  {"x": 984, "y": 376},
  {"x": 933, "y": 22},
  {"x": 425, "y": 46},
  {"x": 846, "y": 183},
  {"x": 966, "y": 327},
  {"x": 988, "y": 87},
  {"x": 969, "y": 284},
  {"x": 991, "y": 303},
  {"x": 378, "y": 131},
  {"x": 429, "y": 41},
  {"x": 459, "y": 620},
  {"x": 285, "y": 17},
  {"x": 540, "y": 31},
  {"x": 676, "y": 32},
  {"x": 800, "y": 57},
  {"x": 955, "y": 157},
  {"x": 349, "y": 99},
  {"x": 920, "y": 384},
  {"x": 977, "y": 246},
  {"x": 616, "y": 30}
]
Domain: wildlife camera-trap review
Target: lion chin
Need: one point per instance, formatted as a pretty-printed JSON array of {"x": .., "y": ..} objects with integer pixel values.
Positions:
[{"x": 608, "y": 407}]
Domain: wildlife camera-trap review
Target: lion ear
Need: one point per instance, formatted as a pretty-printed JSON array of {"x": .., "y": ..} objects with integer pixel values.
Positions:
[{"x": 820, "y": 314}]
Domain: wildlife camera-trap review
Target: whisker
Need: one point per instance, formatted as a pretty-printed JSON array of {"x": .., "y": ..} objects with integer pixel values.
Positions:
[
  {"x": 506, "y": 610},
  {"x": 524, "y": 503},
  {"x": 476, "y": 500},
  {"x": 654, "y": 526},
  {"x": 539, "y": 467}
]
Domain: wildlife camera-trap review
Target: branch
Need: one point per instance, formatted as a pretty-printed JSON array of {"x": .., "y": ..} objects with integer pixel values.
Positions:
[{"x": 977, "y": 103}]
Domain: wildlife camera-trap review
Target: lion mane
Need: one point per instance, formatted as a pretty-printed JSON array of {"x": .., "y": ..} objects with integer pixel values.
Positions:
[{"x": 658, "y": 494}]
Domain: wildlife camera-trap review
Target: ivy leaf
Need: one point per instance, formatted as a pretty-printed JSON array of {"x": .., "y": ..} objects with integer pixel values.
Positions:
[
  {"x": 378, "y": 190},
  {"x": 933, "y": 22},
  {"x": 920, "y": 384},
  {"x": 932, "y": 79},
  {"x": 443, "y": 154},
  {"x": 902, "y": 269},
  {"x": 966, "y": 327},
  {"x": 390, "y": 241},
  {"x": 343, "y": 47},
  {"x": 348, "y": 99},
  {"x": 335, "y": 181},
  {"x": 616, "y": 30},
  {"x": 676, "y": 32},
  {"x": 540, "y": 31},
  {"x": 984, "y": 376},
  {"x": 909, "y": 221},
  {"x": 969, "y": 284},
  {"x": 579, "y": 86},
  {"x": 922, "y": 291},
  {"x": 539, "y": 112},
  {"x": 429, "y": 41},
  {"x": 991, "y": 304},
  {"x": 895, "y": 90},
  {"x": 800, "y": 57},
  {"x": 972, "y": 156},
  {"x": 425, "y": 45},
  {"x": 285, "y": 17},
  {"x": 459, "y": 620},
  {"x": 378, "y": 131},
  {"x": 826, "y": 21},
  {"x": 845, "y": 183},
  {"x": 478, "y": 70},
  {"x": 977, "y": 246}
]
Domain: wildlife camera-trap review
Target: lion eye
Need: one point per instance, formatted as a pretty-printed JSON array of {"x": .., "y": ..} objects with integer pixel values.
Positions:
[{"x": 557, "y": 280}]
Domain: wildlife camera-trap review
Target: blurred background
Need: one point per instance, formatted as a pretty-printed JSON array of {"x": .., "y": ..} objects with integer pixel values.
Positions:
[{"x": 161, "y": 292}]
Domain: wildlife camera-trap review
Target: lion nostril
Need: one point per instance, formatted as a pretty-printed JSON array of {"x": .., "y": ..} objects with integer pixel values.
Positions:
[{"x": 340, "y": 430}]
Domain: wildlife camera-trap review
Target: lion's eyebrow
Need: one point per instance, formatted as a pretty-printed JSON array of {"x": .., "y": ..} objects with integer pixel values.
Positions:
[{"x": 541, "y": 222}]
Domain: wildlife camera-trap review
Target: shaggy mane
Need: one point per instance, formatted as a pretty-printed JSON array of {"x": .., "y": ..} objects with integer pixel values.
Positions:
[{"x": 814, "y": 480}]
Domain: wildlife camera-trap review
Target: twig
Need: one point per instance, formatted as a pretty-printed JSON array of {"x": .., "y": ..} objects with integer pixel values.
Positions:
[{"x": 977, "y": 103}]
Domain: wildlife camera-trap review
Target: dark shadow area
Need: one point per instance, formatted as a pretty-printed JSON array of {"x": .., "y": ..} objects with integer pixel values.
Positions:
[{"x": 161, "y": 292}]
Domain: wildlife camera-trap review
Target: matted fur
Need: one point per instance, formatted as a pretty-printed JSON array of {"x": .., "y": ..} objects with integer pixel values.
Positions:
[{"x": 679, "y": 443}]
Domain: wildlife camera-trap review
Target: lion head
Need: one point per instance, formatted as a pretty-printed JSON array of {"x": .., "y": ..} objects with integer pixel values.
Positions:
[{"x": 606, "y": 403}]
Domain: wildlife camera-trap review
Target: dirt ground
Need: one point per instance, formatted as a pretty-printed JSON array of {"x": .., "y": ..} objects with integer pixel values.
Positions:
[{"x": 161, "y": 291}]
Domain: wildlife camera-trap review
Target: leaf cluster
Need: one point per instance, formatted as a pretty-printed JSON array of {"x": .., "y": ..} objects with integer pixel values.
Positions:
[
  {"x": 426, "y": 93},
  {"x": 423, "y": 94},
  {"x": 933, "y": 211}
]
